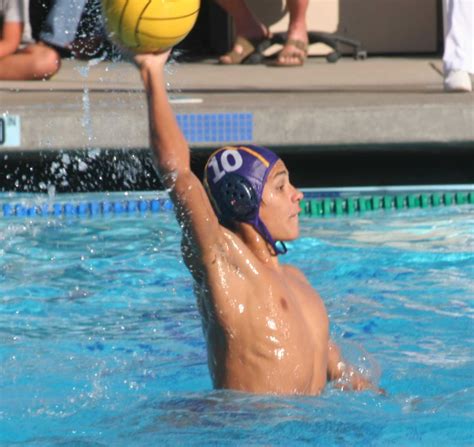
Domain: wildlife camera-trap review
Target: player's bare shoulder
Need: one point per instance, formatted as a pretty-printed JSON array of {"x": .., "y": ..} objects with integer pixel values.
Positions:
[
  {"x": 295, "y": 273},
  {"x": 299, "y": 280}
]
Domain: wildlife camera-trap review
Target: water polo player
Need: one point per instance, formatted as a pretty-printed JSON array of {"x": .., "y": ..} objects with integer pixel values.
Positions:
[{"x": 266, "y": 328}]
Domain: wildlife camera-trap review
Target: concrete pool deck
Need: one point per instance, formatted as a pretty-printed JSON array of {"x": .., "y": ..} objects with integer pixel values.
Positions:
[{"x": 378, "y": 103}]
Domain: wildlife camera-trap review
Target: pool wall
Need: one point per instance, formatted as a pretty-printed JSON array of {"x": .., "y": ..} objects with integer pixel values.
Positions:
[{"x": 329, "y": 167}]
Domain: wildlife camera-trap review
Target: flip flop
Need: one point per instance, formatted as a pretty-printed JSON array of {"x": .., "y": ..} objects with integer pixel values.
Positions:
[
  {"x": 252, "y": 50},
  {"x": 299, "y": 55}
]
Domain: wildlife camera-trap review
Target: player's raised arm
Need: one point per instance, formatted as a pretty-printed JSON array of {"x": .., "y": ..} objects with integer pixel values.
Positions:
[{"x": 172, "y": 155}]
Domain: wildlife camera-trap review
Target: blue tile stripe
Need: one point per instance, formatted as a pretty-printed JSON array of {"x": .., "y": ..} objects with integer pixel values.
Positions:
[{"x": 216, "y": 127}]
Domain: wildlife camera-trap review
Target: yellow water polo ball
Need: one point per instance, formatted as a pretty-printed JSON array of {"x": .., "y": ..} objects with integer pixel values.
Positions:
[{"x": 147, "y": 26}]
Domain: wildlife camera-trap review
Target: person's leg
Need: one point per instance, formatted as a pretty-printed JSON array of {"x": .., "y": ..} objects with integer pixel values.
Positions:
[
  {"x": 34, "y": 62},
  {"x": 459, "y": 42},
  {"x": 294, "y": 51},
  {"x": 247, "y": 26},
  {"x": 458, "y": 58}
]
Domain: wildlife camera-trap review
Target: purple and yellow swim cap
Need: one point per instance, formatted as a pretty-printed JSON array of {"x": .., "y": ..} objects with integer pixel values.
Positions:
[{"x": 234, "y": 178}]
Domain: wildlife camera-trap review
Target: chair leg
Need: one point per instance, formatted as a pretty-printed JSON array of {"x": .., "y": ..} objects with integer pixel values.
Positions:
[{"x": 332, "y": 40}]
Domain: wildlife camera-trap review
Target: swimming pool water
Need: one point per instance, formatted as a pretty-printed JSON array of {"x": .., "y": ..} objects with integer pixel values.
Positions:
[{"x": 101, "y": 343}]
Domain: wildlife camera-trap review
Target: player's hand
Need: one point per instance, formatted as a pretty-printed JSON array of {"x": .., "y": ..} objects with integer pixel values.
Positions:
[{"x": 157, "y": 60}]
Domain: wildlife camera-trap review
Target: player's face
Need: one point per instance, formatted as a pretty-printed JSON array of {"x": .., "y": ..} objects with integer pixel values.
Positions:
[{"x": 280, "y": 204}]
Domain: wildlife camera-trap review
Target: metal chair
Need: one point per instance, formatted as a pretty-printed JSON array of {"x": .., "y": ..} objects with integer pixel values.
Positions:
[{"x": 332, "y": 40}]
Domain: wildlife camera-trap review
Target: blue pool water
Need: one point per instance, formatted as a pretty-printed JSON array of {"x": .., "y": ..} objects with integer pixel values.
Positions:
[{"x": 101, "y": 344}]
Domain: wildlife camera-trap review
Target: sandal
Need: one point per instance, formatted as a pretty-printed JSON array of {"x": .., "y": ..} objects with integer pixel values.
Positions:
[
  {"x": 300, "y": 55},
  {"x": 252, "y": 50}
]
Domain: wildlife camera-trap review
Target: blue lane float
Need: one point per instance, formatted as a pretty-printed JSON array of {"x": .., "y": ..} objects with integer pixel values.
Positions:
[
  {"x": 311, "y": 207},
  {"x": 88, "y": 209}
]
